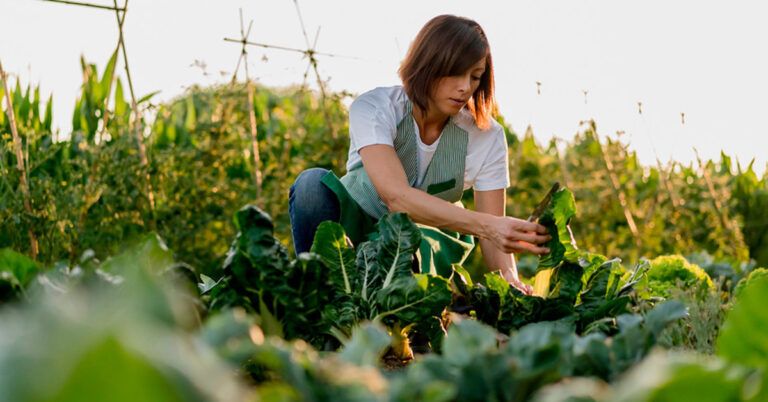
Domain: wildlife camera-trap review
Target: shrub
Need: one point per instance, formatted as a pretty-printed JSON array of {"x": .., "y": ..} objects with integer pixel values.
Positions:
[
  {"x": 667, "y": 272},
  {"x": 759, "y": 274}
]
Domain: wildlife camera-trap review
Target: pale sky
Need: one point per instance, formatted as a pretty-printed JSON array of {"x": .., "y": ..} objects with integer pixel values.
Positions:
[{"x": 706, "y": 59}]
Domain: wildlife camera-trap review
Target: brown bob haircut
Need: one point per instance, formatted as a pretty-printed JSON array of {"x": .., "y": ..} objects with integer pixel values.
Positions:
[{"x": 448, "y": 46}]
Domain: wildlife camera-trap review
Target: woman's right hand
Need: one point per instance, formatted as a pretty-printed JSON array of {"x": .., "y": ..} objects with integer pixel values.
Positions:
[{"x": 513, "y": 235}]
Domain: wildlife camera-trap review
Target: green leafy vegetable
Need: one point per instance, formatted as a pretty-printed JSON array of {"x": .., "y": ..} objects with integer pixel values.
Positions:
[
  {"x": 331, "y": 246},
  {"x": 475, "y": 368},
  {"x": 105, "y": 342},
  {"x": 368, "y": 343},
  {"x": 16, "y": 272},
  {"x": 680, "y": 378},
  {"x": 587, "y": 298},
  {"x": 398, "y": 240},
  {"x": 290, "y": 296},
  {"x": 666, "y": 271},
  {"x": 758, "y": 275},
  {"x": 323, "y": 295},
  {"x": 742, "y": 338},
  {"x": 556, "y": 218}
]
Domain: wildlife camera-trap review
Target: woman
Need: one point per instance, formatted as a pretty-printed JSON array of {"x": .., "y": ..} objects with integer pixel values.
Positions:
[{"x": 416, "y": 148}]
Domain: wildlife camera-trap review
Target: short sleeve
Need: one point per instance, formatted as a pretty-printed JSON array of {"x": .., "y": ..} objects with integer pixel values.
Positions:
[
  {"x": 494, "y": 173},
  {"x": 372, "y": 120}
]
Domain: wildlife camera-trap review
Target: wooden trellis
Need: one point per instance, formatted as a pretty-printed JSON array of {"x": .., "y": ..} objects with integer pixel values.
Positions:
[
  {"x": 255, "y": 155},
  {"x": 120, "y": 14}
]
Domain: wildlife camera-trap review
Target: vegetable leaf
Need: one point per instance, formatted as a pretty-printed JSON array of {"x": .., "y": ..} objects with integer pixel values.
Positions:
[
  {"x": 330, "y": 244},
  {"x": 556, "y": 218},
  {"x": 398, "y": 240}
]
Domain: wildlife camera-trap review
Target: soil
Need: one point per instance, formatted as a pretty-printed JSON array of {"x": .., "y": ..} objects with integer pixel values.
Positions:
[{"x": 393, "y": 363}]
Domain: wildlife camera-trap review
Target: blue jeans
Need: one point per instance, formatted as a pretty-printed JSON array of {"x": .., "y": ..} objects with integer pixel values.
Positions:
[{"x": 310, "y": 202}]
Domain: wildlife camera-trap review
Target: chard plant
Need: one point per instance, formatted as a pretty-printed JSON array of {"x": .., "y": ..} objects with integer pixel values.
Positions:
[
  {"x": 376, "y": 282},
  {"x": 323, "y": 295},
  {"x": 588, "y": 287},
  {"x": 476, "y": 366}
]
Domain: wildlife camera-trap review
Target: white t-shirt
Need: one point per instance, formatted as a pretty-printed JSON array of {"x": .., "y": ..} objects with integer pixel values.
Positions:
[
  {"x": 373, "y": 119},
  {"x": 425, "y": 153}
]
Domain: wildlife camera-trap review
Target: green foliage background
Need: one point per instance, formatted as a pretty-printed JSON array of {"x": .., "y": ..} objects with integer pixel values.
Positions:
[{"x": 88, "y": 188}]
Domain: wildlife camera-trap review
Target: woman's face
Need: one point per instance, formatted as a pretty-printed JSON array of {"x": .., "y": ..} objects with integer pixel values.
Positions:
[{"x": 452, "y": 93}]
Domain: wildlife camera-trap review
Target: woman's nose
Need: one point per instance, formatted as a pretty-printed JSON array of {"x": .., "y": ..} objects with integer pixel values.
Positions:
[{"x": 465, "y": 84}]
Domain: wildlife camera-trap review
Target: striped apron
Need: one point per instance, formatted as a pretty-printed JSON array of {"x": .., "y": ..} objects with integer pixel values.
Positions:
[{"x": 361, "y": 207}]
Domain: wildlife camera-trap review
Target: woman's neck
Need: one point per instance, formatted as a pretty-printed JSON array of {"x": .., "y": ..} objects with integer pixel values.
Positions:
[{"x": 430, "y": 124}]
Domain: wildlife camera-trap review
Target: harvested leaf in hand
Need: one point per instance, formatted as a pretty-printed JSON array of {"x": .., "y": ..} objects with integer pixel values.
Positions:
[{"x": 556, "y": 218}]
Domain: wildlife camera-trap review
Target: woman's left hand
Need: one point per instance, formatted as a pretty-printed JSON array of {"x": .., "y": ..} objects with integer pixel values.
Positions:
[{"x": 512, "y": 278}]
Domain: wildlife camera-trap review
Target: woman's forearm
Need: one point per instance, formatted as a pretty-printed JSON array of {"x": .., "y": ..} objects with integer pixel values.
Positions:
[
  {"x": 496, "y": 259},
  {"x": 433, "y": 211},
  {"x": 429, "y": 210}
]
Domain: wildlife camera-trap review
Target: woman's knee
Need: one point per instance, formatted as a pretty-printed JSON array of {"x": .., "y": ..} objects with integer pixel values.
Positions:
[
  {"x": 309, "y": 182},
  {"x": 309, "y": 193},
  {"x": 310, "y": 177}
]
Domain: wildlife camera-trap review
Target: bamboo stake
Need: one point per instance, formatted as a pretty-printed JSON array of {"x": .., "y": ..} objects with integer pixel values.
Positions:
[
  {"x": 105, "y": 120},
  {"x": 291, "y": 49},
  {"x": 664, "y": 176},
  {"x": 286, "y": 157},
  {"x": 323, "y": 103},
  {"x": 89, "y": 5},
  {"x": 254, "y": 141},
  {"x": 257, "y": 176},
  {"x": 668, "y": 185},
  {"x": 243, "y": 49},
  {"x": 617, "y": 188},
  {"x": 136, "y": 115},
  {"x": 23, "y": 183},
  {"x": 310, "y": 53},
  {"x": 4, "y": 173},
  {"x": 677, "y": 203},
  {"x": 649, "y": 215}
]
